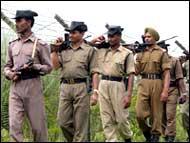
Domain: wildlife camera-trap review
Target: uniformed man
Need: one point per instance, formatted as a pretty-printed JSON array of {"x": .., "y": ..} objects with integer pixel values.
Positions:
[
  {"x": 27, "y": 58},
  {"x": 169, "y": 110},
  {"x": 185, "y": 106},
  {"x": 77, "y": 61},
  {"x": 153, "y": 64},
  {"x": 115, "y": 64}
]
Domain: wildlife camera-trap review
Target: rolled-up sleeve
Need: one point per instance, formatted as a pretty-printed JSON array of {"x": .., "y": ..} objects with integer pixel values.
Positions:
[
  {"x": 166, "y": 62},
  {"x": 130, "y": 64},
  {"x": 137, "y": 63},
  {"x": 93, "y": 63},
  {"x": 178, "y": 70}
]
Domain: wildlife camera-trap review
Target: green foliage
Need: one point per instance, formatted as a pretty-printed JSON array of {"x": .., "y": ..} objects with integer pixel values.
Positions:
[{"x": 51, "y": 89}]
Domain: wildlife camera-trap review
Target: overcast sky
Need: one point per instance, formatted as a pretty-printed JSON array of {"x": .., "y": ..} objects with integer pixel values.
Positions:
[{"x": 168, "y": 18}]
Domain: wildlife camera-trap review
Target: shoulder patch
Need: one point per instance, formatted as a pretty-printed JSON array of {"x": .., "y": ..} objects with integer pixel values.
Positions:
[{"x": 13, "y": 41}]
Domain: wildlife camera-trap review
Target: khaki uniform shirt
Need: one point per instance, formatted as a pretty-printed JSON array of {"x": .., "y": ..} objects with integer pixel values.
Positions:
[
  {"x": 186, "y": 67},
  {"x": 112, "y": 63},
  {"x": 19, "y": 53},
  {"x": 176, "y": 71},
  {"x": 155, "y": 61},
  {"x": 77, "y": 63}
]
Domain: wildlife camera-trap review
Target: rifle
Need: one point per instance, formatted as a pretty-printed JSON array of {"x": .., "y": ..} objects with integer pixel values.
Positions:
[
  {"x": 139, "y": 47},
  {"x": 66, "y": 42},
  {"x": 183, "y": 48}
]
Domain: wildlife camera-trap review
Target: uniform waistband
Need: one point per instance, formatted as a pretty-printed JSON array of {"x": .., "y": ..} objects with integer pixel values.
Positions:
[
  {"x": 72, "y": 80},
  {"x": 112, "y": 78},
  {"x": 24, "y": 75},
  {"x": 151, "y": 76},
  {"x": 173, "y": 84}
]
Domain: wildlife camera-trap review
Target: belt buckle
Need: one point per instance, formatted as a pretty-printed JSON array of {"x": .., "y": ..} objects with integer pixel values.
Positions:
[
  {"x": 153, "y": 76},
  {"x": 71, "y": 81}
]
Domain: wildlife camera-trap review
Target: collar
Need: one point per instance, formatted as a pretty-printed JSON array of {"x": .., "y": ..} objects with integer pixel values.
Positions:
[
  {"x": 153, "y": 48},
  {"x": 118, "y": 49},
  {"x": 32, "y": 37},
  {"x": 82, "y": 46}
]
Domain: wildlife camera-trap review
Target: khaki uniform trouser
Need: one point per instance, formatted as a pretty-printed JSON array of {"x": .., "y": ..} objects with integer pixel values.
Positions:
[
  {"x": 148, "y": 106},
  {"x": 185, "y": 110},
  {"x": 114, "y": 116},
  {"x": 26, "y": 98},
  {"x": 73, "y": 111},
  {"x": 169, "y": 113}
]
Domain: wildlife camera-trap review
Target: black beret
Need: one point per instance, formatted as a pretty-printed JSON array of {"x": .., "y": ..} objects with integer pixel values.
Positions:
[
  {"x": 25, "y": 14},
  {"x": 112, "y": 30},
  {"x": 76, "y": 25}
]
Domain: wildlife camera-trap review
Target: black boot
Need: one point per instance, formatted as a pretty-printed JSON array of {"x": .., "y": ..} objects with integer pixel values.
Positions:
[
  {"x": 154, "y": 138},
  {"x": 170, "y": 138},
  {"x": 128, "y": 140},
  {"x": 147, "y": 136}
]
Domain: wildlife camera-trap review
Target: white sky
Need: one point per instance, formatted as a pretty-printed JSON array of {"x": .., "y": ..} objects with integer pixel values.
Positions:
[{"x": 168, "y": 18}]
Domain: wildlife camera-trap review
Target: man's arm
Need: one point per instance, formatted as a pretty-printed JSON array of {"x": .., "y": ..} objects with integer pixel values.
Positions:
[
  {"x": 94, "y": 70},
  {"x": 166, "y": 65},
  {"x": 166, "y": 83},
  {"x": 55, "y": 60},
  {"x": 9, "y": 74},
  {"x": 130, "y": 84},
  {"x": 130, "y": 67},
  {"x": 45, "y": 65}
]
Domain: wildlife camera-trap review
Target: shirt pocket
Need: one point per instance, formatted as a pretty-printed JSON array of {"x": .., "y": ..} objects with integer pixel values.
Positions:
[
  {"x": 15, "y": 52},
  {"x": 156, "y": 63},
  {"x": 119, "y": 64},
  {"x": 15, "y": 55},
  {"x": 82, "y": 61},
  {"x": 66, "y": 57}
]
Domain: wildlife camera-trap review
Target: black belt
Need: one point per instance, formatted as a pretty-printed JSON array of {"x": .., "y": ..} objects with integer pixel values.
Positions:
[
  {"x": 28, "y": 74},
  {"x": 151, "y": 76},
  {"x": 73, "y": 80},
  {"x": 173, "y": 84},
  {"x": 112, "y": 78}
]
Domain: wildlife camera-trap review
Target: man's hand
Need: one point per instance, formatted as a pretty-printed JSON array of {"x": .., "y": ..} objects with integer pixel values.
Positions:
[
  {"x": 15, "y": 77},
  {"x": 57, "y": 43},
  {"x": 182, "y": 99},
  {"x": 93, "y": 99},
  {"x": 126, "y": 101},
  {"x": 12, "y": 75},
  {"x": 164, "y": 96},
  {"x": 99, "y": 39},
  {"x": 27, "y": 66}
]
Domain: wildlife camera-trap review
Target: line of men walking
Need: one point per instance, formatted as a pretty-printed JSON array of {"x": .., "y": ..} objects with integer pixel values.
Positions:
[{"x": 112, "y": 69}]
